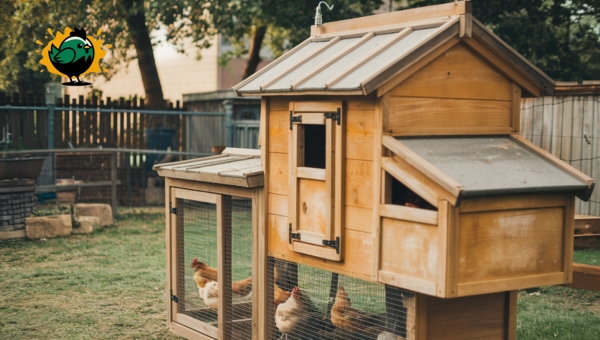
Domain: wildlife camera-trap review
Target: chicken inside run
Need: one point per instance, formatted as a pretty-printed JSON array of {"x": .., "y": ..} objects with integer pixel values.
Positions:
[
  {"x": 308, "y": 303},
  {"x": 308, "y": 311}
]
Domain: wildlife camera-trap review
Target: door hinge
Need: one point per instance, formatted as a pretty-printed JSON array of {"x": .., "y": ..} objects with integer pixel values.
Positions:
[
  {"x": 294, "y": 119},
  {"x": 333, "y": 244},
  {"x": 333, "y": 115},
  {"x": 171, "y": 209},
  {"x": 174, "y": 297},
  {"x": 293, "y": 236}
]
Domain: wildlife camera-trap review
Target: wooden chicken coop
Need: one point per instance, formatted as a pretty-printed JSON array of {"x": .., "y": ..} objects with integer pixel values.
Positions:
[{"x": 399, "y": 200}]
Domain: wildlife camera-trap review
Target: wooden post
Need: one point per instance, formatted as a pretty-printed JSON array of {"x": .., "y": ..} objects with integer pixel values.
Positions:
[
  {"x": 128, "y": 167},
  {"x": 51, "y": 125},
  {"x": 113, "y": 179},
  {"x": 224, "y": 264},
  {"x": 228, "y": 104}
]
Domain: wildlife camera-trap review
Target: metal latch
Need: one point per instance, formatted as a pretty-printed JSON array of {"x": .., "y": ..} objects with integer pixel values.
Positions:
[
  {"x": 293, "y": 236},
  {"x": 174, "y": 297},
  {"x": 333, "y": 244},
  {"x": 294, "y": 119},
  {"x": 333, "y": 115},
  {"x": 171, "y": 209}
]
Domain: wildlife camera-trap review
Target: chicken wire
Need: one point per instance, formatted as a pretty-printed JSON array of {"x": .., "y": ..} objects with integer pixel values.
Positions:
[
  {"x": 335, "y": 307},
  {"x": 197, "y": 239}
]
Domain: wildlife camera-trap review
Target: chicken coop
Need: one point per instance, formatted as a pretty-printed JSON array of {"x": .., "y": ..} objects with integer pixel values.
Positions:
[
  {"x": 212, "y": 209},
  {"x": 398, "y": 199}
]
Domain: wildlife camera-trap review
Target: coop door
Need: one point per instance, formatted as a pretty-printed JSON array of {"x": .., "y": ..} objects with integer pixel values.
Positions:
[
  {"x": 217, "y": 231},
  {"x": 316, "y": 164}
]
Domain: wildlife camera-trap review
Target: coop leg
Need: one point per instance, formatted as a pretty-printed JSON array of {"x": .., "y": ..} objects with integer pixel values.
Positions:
[
  {"x": 395, "y": 321},
  {"x": 288, "y": 275},
  {"x": 327, "y": 325}
]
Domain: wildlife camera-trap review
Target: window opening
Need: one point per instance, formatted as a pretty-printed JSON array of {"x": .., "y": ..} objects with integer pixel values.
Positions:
[
  {"x": 402, "y": 195},
  {"x": 314, "y": 146}
]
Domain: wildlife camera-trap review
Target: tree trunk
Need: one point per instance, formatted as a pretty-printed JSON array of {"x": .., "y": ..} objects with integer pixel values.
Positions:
[
  {"x": 136, "y": 21},
  {"x": 254, "y": 55}
]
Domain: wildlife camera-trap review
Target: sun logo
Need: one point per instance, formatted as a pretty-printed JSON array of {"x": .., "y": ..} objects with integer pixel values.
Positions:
[{"x": 73, "y": 54}]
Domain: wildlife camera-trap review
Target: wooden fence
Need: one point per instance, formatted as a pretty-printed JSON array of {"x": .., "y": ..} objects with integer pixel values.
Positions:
[
  {"x": 568, "y": 126},
  {"x": 82, "y": 122},
  {"x": 26, "y": 128}
]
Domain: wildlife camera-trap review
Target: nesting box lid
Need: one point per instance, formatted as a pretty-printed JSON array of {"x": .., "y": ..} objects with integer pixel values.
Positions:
[
  {"x": 236, "y": 167},
  {"x": 494, "y": 165},
  {"x": 357, "y": 56}
]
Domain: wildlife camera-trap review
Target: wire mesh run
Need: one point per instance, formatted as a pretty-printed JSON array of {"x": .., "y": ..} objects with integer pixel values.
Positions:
[
  {"x": 240, "y": 313},
  {"x": 196, "y": 239},
  {"x": 198, "y": 255},
  {"x": 311, "y": 303}
]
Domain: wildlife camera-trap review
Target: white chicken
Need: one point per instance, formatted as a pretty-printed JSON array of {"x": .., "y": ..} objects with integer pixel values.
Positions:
[
  {"x": 295, "y": 315},
  {"x": 239, "y": 289},
  {"x": 211, "y": 294}
]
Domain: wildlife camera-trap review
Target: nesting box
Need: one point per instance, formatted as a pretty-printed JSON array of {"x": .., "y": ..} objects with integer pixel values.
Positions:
[
  {"x": 392, "y": 154},
  {"x": 212, "y": 209}
]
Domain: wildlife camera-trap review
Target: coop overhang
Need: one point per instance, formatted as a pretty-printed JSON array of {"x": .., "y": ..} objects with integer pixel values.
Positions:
[
  {"x": 362, "y": 55},
  {"x": 487, "y": 166},
  {"x": 234, "y": 167}
]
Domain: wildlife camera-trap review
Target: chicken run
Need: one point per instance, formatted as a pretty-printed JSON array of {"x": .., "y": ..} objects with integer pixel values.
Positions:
[{"x": 392, "y": 196}]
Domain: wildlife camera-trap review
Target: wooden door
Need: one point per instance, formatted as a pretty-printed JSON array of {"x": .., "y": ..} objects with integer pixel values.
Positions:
[
  {"x": 202, "y": 229},
  {"x": 316, "y": 165}
]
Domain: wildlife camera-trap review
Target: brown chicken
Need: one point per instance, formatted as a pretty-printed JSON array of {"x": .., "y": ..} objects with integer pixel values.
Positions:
[
  {"x": 346, "y": 317},
  {"x": 279, "y": 295},
  {"x": 204, "y": 274}
]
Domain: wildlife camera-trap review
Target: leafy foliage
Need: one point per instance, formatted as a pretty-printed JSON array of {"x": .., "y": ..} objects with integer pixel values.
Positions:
[{"x": 561, "y": 37}]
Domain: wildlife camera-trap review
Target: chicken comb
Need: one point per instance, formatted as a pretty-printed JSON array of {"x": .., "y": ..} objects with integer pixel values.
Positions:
[
  {"x": 194, "y": 261},
  {"x": 78, "y": 32}
]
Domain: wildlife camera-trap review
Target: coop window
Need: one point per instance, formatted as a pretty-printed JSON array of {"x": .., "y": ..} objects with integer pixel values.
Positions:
[
  {"x": 314, "y": 146},
  {"x": 402, "y": 195}
]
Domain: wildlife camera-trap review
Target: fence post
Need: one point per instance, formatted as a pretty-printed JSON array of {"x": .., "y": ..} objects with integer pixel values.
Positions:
[
  {"x": 228, "y": 104},
  {"x": 128, "y": 167},
  {"x": 113, "y": 179},
  {"x": 51, "y": 107}
]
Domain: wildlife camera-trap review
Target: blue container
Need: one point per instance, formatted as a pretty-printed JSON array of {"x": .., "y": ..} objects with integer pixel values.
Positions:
[{"x": 158, "y": 139}]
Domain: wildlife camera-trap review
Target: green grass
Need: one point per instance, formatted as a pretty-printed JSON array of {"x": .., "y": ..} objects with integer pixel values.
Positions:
[
  {"x": 111, "y": 285},
  {"x": 106, "y": 285},
  {"x": 558, "y": 313},
  {"x": 591, "y": 257}
]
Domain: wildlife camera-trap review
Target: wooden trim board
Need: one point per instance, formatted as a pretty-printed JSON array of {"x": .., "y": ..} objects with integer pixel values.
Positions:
[
  {"x": 586, "y": 277},
  {"x": 424, "y": 166},
  {"x": 429, "y": 12}
]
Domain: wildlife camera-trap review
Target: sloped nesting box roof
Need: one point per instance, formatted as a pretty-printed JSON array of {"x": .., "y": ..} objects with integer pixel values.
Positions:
[
  {"x": 357, "y": 62},
  {"x": 237, "y": 167},
  {"x": 496, "y": 165}
]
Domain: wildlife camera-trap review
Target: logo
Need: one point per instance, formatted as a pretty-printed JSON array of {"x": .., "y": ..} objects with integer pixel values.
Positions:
[{"x": 73, "y": 54}]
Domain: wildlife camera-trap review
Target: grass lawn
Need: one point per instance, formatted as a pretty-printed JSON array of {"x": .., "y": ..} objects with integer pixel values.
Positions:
[
  {"x": 111, "y": 284},
  {"x": 106, "y": 285}
]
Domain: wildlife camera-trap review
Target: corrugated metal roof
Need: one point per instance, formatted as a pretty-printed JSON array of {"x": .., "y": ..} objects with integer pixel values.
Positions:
[
  {"x": 342, "y": 63},
  {"x": 237, "y": 167},
  {"x": 493, "y": 165}
]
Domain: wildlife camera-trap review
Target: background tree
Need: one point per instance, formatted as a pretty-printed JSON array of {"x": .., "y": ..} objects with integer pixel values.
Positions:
[
  {"x": 280, "y": 24},
  {"x": 561, "y": 37},
  {"x": 19, "y": 72},
  {"x": 127, "y": 25}
]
